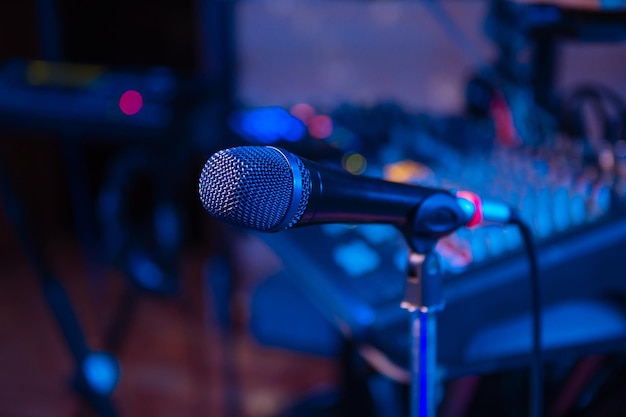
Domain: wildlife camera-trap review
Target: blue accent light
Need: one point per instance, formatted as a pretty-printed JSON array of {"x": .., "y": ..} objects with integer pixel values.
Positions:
[
  {"x": 377, "y": 233},
  {"x": 478, "y": 244},
  {"x": 467, "y": 207},
  {"x": 356, "y": 258},
  {"x": 334, "y": 229},
  {"x": 604, "y": 199},
  {"x": 611, "y": 4},
  {"x": 400, "y": 259},
  {"x": 578, "y": 209},
  {"x": 543, "y": 223},
  {"x": 101, "y": 372},
  {"x": 293, "y": 129},
  {"x": 541, "y": 167},
  {"x": 161, "y": 81},
  {"x": 512, "y": 237},
  {"x": 496, "y": 239},
  {"x": 268, "y": 125},
  {"x": 560, "y": 209},
  {"x": 166, "y": 226},
  {"x": 496, "y": 212},
  {"x": 544, "y": 15},
  {"x": 144, "y": 270}
]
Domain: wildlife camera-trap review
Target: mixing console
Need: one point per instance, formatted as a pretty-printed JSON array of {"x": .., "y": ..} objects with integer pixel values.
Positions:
[{"x": 354, "y": 275}]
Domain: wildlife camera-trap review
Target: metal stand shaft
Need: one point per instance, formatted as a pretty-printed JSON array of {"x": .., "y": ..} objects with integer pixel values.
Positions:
[{"x": 423, "y": 299}]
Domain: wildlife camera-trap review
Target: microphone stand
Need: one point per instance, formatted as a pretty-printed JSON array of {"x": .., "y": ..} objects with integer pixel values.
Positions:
[
  {"x": 423, "y": 299},
  {"x": 438, "y": 215}
]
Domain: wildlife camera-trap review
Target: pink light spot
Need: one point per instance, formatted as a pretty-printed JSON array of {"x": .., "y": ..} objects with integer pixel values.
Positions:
[
  {"x": 303, "y": 112},
  {"x": 131, "y": 102},
  {"x": 320, "y": 127}
]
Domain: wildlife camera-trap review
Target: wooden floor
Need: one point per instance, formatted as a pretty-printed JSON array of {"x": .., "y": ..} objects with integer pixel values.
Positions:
[{"x": 173, "y": 359}]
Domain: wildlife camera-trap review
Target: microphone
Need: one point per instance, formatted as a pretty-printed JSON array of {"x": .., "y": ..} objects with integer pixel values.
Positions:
[{"x": 268, "y": 189}]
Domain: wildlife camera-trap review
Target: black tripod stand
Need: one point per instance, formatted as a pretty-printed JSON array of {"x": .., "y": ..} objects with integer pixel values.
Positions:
[{"x": 96, "y": 372}]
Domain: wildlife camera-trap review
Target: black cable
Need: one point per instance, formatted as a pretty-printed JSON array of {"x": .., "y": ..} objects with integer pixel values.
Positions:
[{"x": 536, "y": 361}]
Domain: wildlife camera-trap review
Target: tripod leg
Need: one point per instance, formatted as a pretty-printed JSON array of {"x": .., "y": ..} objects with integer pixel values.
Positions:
[{"x": 97, "y": 373}]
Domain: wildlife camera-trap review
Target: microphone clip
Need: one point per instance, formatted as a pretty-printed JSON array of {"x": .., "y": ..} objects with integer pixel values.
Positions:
[{"x": 437, "y": 216}]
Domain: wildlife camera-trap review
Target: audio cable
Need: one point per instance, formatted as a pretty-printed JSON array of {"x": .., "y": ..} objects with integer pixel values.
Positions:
[{"x": 536, "y": 359}]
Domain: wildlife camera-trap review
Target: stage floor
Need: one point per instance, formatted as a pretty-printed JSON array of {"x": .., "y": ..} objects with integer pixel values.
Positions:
[{"x": 173, "y": 358}]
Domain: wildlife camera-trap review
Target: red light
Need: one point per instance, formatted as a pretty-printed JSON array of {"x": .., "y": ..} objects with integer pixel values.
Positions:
[
  {"x": 320, "y": 127},
  {"x": 131, "y": 102}
]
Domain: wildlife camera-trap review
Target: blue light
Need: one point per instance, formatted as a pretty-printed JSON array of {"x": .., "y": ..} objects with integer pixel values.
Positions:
[
  {"x": 400, "y": 259},
  {"x": 262, "y": 125},
  {"x": 560, "y": 209},
  {"x": 543, "y": 223},
  {"x": 544, "y": 15},
  {"x": 578, "y": 209},
  {"x": 478, "y": 243},
  {"x": 294, "y": 129},
  {"x": 604, "y": 199},
  {"x": 334, "y": 229},
  {"x": 268, "y": 125},
  {"x": 166, "y": 226},
  {"x": 356, "y": 258},
  {"x": 497, "y": 242},
  {"x": 101, "y": 371},
  {"x": 377, "y": 233},
  {"x": 145, "y": 271},
  {"x": 611, "y": 4}
]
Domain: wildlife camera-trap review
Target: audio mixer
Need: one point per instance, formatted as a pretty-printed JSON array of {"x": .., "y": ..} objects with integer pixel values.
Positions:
[{"x": 354, "y": 275}]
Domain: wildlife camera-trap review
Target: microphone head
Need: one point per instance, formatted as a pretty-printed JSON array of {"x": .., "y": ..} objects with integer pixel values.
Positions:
[{"x": 259, "y": 188}]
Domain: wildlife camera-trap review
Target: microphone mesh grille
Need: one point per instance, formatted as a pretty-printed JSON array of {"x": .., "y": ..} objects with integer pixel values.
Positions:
[{"x": 251, "y": 187}]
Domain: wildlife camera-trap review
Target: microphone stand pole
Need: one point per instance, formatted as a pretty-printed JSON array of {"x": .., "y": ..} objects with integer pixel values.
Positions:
[
  {"x": 423, "y": 299},
  {"x": 436, "y": 216}
]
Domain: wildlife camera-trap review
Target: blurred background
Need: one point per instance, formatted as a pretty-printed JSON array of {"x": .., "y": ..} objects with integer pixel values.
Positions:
[{"x": 121, "y": 296}]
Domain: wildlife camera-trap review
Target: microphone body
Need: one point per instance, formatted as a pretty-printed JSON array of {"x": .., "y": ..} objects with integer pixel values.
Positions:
[
  {"x": 268, "y": 189},
  {"x": 340, "y": 197}
]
